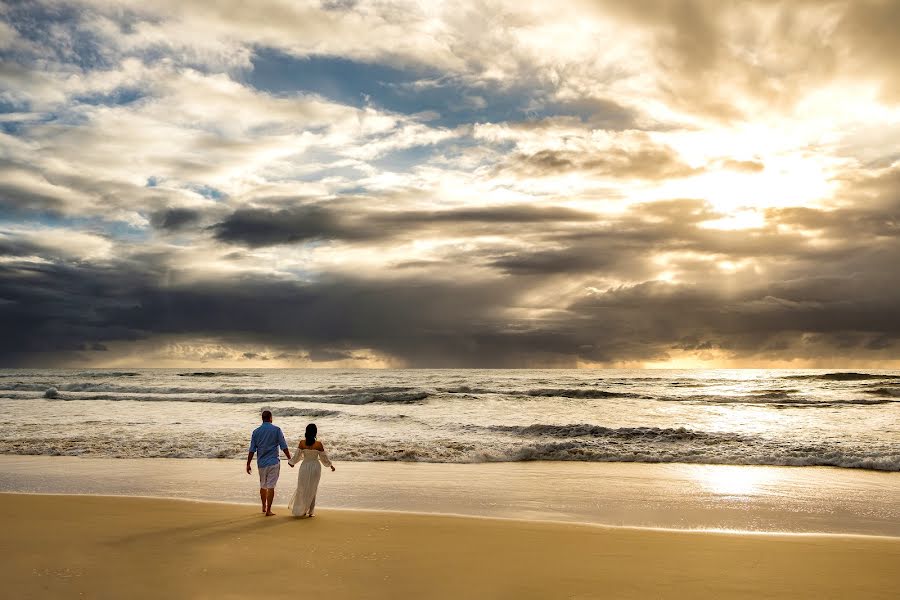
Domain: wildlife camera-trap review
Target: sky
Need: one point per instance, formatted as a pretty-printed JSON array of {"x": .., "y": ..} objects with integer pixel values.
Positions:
[{"x": 576, "y": 183}]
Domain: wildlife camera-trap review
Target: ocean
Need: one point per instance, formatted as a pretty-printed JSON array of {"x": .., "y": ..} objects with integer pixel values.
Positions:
[{"x": 739, "y": 417}]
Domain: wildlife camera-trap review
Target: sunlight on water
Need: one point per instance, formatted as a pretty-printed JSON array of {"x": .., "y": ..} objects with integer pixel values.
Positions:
[{"x": 745, "y": 482}]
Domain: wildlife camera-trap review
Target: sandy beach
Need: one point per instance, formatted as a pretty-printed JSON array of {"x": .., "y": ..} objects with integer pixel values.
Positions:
[{"x": 104, "y": 547}]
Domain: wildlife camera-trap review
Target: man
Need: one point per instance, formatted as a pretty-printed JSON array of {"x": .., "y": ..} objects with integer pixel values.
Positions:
[{"x": 266, "y": 440}]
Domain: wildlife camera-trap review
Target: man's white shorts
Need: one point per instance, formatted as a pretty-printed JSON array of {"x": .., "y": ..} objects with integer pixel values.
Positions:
[{"x": 268, "y": 476}]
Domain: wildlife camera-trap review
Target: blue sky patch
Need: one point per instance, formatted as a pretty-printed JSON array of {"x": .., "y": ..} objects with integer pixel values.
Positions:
[
  {"x": 117, "y": 97},
  {"x": 407, "y": 91},
  {"x": 208, "y": 192}
]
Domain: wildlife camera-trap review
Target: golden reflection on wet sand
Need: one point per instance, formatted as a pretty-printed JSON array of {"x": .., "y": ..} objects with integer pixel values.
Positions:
[{"x": 736, "y": 482}]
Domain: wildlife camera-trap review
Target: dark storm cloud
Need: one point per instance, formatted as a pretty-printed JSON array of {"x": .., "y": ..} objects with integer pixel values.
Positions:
[
  {"x": 257, "y": 227},
  {"x": 411, "y": 320},
  {"x": 56, "y": 307},
  {"x": 806, "y": 307},
  {"x": 174, "y": 218},
  {"x": 327, "y": 355},
  {"x": 514, "y": 214},
  {"x": 51, "y": 308},
  {"x": 262, "y": 227},
  {"x": 552, "y": 262},
  {"x": 791, "y": 319},
  {"x": 16, "y": 247}
]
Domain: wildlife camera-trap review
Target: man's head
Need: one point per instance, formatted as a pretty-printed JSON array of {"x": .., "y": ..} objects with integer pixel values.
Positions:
[{"x": 267, "y": 416}]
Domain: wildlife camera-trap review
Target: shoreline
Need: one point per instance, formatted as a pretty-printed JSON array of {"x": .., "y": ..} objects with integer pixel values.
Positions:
[
  {"x": 108, "y": 547},
  {"x": 648, "y": 496}
]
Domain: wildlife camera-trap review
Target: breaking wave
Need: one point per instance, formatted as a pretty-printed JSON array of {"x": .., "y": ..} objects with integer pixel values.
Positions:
[
  {"x": 224, "y": 395},
  {"x": 371, "y": 398},
  {"x": 99, "y": 374},
  {"x": 777, "y": 400},
  {"x": 591, "y": 393},
  {"x": 776, "y": 394},
  {"x": 841, "y": 376},
  {"x": 581, "y": 442},
  {"x": 304, "y": 412},
  {"x": 357, "y": 399},
  {"x": 465, "y": 389},
  {"x": 885, "y": 392},
  {"x": 655, "y": 434},
  {"x": 587, "y": 393},
  {"x": 218, "y": 374},
  {"x": 798, "y": 457}
]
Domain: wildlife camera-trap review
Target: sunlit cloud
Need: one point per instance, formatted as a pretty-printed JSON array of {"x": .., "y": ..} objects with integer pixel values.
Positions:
[{"x": 578, "y": 183}]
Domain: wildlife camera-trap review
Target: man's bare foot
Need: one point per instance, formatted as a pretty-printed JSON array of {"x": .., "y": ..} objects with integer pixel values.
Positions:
[
  {"x": 270, "y": 514},
  {"x": 264, "y": 510}
]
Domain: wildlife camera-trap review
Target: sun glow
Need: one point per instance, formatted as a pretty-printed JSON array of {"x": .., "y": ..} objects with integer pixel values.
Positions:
[
  {"x": 743, "y": 169},
  {"x": 794, "y": 180}
]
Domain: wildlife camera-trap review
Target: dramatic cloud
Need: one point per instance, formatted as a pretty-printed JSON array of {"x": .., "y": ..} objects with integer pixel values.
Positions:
[
  {"x": 261, "y": 227},
  {"x": 585, "y": 182}
]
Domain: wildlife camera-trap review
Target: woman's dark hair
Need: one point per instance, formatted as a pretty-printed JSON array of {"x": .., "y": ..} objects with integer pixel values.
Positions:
[{"x": 311, "y": 432}]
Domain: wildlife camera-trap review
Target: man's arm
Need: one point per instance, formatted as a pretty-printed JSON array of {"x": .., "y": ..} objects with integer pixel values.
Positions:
[
  {"x": 283, "y": 443},
  {"x": 251, "y": 451}
]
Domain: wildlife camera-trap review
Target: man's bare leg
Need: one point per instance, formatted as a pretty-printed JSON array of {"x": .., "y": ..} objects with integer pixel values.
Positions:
[
  {"x": 270, "y": 497},
  {"x": 262, "y": 497}
]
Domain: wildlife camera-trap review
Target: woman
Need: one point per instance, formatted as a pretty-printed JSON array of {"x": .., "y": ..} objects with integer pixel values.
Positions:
[{"x": 311, "y": 451}]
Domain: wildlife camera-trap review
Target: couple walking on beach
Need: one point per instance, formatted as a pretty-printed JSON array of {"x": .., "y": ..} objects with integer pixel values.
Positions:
[{"x": 265, "y": 443}]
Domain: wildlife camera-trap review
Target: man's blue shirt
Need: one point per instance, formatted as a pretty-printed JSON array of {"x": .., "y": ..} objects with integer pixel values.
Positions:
[{"x": 265, "y": 441}]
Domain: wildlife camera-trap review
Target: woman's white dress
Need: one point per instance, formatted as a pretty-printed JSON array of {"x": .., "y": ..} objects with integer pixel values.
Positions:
[{"x": 304, "y": 499}]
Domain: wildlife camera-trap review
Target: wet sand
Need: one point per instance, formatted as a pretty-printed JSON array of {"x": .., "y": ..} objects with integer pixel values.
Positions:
[{"x": 115, "y": 547}]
